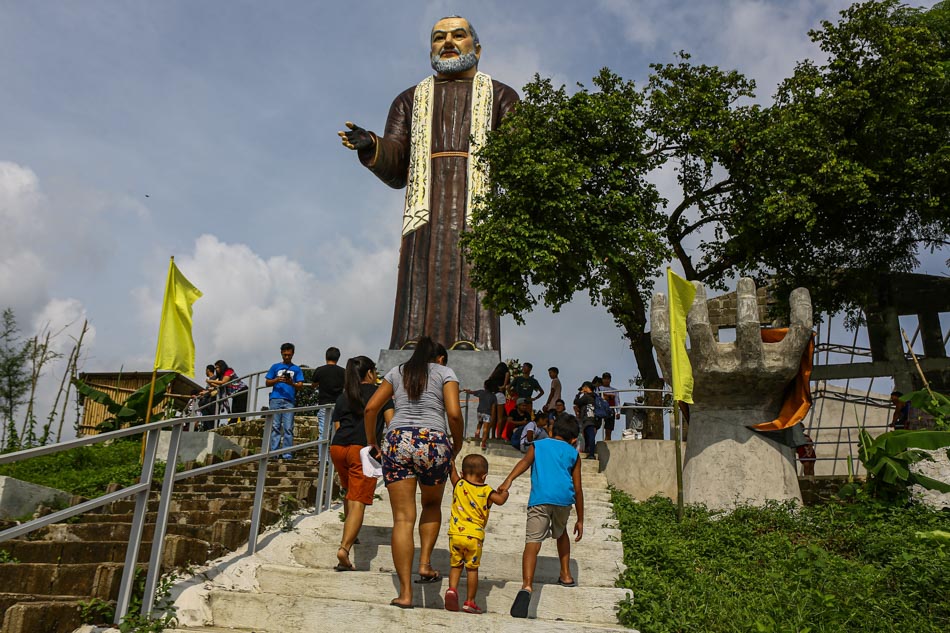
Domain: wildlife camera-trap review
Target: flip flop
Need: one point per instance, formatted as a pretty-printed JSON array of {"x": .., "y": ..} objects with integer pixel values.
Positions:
[
  {"x": 425, "y": 579},
  {"x": 401, "y": 606},
  {"x": 573, "y": 583},
  {"x": 340, "y": 566},
  {"x": 520, "y": 607}
]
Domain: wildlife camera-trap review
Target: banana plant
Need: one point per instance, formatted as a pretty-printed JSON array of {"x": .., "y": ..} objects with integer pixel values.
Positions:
[
  {"x": 131, "y": 412},
  {"x": 889, "y": 456}
]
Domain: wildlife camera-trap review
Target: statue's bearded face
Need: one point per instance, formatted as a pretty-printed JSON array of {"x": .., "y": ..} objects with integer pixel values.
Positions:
[{"x": 454, "y": 50}]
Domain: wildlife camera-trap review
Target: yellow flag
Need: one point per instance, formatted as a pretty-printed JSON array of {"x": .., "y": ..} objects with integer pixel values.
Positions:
[
  {"x": 176, "y": 347},
  {"x": 681, "y": 298}
]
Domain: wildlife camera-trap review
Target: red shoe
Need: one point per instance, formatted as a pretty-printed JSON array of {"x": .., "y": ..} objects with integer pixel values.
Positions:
[
  {"x": 452, "y": 600},
  {"x": 471, "y": 607}
]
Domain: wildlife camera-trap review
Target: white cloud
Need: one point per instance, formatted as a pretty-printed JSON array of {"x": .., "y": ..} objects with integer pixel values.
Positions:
[
  {"x": 252, "y": 304},
  {"x": 763, "y": 40}
]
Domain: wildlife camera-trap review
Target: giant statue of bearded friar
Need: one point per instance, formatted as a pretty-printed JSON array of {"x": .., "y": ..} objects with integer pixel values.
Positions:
[{"x": 432, "y": 131}]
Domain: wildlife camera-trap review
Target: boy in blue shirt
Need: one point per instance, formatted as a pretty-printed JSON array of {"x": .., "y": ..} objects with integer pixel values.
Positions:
[
  {"x": 555, "y": 487},
  {"x": 285, "y": 378}
]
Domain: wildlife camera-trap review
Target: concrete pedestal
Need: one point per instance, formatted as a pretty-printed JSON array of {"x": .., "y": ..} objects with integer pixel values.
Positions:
[{"x": 472, "y": 368}]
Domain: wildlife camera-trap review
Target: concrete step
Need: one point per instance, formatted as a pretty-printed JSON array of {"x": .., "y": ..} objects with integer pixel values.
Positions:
[
  {"x": 282, "y": 613},
  {"x": 180, "y": 549},
  {"x": 589, "y": 605},
  {"x": 591, "y": 567},
  {"x": 497, "y": 536},
  {"x": 100, "y": 580},
  {"x": 51, "y": 615}
]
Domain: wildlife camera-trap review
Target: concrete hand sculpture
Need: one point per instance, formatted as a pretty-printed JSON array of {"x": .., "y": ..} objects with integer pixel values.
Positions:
[{"x": 736, "y": 385}]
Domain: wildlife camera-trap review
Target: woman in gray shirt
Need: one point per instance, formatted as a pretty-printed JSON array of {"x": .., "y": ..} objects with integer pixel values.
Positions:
[{"x": 425, "y": 393}]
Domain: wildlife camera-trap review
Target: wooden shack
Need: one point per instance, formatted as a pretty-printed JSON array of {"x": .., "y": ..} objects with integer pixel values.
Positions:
[{"x": 120, "y": 385}]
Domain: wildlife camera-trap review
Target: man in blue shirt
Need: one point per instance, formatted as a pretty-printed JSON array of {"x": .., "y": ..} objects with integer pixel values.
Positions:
[{"x": 285, "y": 378}]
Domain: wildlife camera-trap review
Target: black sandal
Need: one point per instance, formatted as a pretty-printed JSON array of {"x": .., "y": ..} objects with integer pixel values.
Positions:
[
  {"x": 425, "y": 579},
  {"x": 342, "y": 567}
]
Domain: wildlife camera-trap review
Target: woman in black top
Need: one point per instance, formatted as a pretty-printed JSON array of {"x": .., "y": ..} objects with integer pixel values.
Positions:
[
  {"x": 349, "y": 437},
  {"x": 498, "y": 384}
]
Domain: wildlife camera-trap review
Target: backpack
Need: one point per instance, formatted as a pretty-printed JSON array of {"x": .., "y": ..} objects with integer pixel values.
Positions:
[{"x": 601, "y": 408}]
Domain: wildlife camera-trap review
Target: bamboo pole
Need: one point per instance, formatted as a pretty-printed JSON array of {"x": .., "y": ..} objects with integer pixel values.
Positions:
[
  {"x": 75, "y": 364},
  {"x": 917, "y": 364}
]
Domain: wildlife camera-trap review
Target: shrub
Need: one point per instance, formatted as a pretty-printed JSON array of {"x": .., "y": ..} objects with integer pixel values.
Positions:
[{"x": 836, "y": 567}]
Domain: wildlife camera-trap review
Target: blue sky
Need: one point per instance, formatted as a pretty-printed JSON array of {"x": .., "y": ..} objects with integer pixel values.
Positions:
[{"x": 132, "y": 131}]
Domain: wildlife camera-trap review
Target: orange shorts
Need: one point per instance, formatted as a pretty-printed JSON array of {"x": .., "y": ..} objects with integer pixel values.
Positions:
[{"x": 359, "y": 487}]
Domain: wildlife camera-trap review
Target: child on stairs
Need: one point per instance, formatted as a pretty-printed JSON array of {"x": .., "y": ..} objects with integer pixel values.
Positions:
[
  {"x": 555, "y": 487},
  {"x": 472, "y": 499}
]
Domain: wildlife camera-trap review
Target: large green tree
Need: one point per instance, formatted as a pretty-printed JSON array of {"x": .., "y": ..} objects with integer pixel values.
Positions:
[
  {"x": 849, "y": 158},
  {"x": 853, "y": 165}
]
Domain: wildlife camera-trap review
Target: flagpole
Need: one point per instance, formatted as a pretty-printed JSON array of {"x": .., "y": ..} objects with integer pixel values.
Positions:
[
  {"x": 151, "y": 390},
  {"x": 679, "y": 460}
]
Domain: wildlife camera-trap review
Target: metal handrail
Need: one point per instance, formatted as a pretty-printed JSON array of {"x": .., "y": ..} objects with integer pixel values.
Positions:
[{"x": 141, "y": 491}]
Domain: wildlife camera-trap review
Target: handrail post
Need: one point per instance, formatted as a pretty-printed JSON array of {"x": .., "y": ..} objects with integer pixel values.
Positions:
[
  {"x": 254, "y": 383},
  {"x": 135, "y": 531},
  {"x": 323, "y": 453},
  {"x": 259, "y": 487},
  {"x": 161, "y": 522}
]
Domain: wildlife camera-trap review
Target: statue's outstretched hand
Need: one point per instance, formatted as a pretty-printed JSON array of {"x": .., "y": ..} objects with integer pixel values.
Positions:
[
  {"x": 356, "y": 137},
  {"x": 744, "y": 372}
]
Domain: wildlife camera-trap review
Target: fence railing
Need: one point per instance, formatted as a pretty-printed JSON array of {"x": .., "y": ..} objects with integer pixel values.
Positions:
[{"x": 141, "y": 490}]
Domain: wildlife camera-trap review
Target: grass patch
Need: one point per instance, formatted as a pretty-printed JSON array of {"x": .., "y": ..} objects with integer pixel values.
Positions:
[
  {"x": 85, "y": 470},
  {"x": 834, "y": 567}
]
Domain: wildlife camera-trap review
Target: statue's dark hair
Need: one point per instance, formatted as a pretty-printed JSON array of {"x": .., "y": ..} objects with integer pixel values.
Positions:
[{"x": 356, "y": 370}]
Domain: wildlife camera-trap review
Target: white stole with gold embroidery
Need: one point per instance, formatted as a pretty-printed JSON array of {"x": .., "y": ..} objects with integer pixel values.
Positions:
[{"x": 416, "y": 212}]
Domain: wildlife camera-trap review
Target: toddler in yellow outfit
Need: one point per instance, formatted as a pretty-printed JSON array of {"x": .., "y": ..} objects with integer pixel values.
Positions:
[{"x": 472, "y": 500}]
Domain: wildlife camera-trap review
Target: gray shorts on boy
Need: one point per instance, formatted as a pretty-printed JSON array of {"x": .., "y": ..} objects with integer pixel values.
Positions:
[{"x": 545, "y": 521}]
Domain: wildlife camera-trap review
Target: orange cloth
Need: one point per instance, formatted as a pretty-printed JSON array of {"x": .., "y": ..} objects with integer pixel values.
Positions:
[{"x": 797, "y": 399}]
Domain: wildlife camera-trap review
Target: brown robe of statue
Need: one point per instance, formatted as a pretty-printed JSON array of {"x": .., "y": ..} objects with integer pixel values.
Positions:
[{"x": 433, "y": 293}]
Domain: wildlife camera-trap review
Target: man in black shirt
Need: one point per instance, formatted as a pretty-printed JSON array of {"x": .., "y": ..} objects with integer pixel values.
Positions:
[
  {"x": 525, "y": 385},
  {"x": 329, "y": 380}
]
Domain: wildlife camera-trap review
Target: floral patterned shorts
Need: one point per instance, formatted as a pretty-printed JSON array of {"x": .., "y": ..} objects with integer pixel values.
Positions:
[{"x": 421, "y": 453}]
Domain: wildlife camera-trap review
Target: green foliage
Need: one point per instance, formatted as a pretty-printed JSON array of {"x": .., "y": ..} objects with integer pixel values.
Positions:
[
  {"x": 14, "y": 378},
  {"x": 826, "y": 568},
  {"x": 853, "y": 168},
  {"x": 5, "y": 557},
  {"x": 845, "y": 176},
  {"x": 936, "y": 404},
  {"x": 164, "y": 610},
  {"x": 888, "y": 457},
  {"x": 570, "y": 209},
  {"x": 96, "y": 611},
  {"x": 134, "y": 410},
  {"x": 307, "y": 395},
  {"x": 86, "y": 470},
  {"x": 287, "y": 506}
]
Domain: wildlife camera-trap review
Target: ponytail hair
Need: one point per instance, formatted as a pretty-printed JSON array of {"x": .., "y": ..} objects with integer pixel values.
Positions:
[
  {"x": 356, "y": 370},
  {"x": 415, "y": 371}
]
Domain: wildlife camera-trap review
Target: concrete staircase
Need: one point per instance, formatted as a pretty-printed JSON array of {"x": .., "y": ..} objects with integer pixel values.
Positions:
[
  {"x": 64, "y": 564},
  {"x": 290, "y": 585}
]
